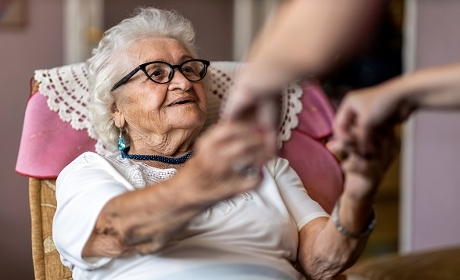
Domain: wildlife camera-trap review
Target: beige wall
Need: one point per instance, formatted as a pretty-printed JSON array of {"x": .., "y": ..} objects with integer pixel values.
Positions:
[
  {"x": 37, "y": 45},
  {"x": 212, "y": 20}
]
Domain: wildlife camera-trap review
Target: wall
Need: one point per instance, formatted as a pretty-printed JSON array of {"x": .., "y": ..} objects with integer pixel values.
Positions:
[
  {"x": 431, "y": 177},
  {"x": 212, "y": 21},
  {"x": 37, "y": 45}
]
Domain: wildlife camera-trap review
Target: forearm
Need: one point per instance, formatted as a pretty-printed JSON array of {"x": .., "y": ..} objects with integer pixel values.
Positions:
[
  {"x": 332, "y": 252},
  {"x": 306, "y": 37},
  {"x": 437, "y": 87},
  {"x": 336, "y": 246},
  {"x": 143, "y": 221}
]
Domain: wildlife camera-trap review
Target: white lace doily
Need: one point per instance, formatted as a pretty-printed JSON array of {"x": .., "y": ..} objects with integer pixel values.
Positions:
[{"x": 67, "y": 90}]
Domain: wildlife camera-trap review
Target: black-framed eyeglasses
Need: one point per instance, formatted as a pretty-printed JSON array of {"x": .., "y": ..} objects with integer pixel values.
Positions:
[{"x": 161, "y": 72}]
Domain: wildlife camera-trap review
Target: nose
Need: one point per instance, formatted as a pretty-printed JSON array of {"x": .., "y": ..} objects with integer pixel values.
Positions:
[{"x": 179, "y": 81}]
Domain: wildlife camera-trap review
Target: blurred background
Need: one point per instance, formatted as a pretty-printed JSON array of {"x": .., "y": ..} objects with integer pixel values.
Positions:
[{"x": 417, "y": 201}]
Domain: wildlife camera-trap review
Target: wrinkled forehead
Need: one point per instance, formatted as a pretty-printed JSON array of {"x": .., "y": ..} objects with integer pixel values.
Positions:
[{"x": 157, "y": 49}]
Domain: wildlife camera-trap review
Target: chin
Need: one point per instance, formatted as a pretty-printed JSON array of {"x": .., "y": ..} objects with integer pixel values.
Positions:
[
  {"x": 192, "y": 120},
  {"x": 187, "y": 116}
]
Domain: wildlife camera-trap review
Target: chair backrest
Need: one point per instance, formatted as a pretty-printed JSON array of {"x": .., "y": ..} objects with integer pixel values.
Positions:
[{"x": 57, "y": 129}]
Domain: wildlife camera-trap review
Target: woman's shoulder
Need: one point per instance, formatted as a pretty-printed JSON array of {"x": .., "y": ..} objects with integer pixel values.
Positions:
[
  {"x": 87, "y": 157},
  {"x": 92, "y": 165},
  {"x": 84, "y": 160}
]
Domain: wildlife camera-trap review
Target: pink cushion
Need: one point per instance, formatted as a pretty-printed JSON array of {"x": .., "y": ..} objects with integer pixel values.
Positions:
[
  {"x": 317, "y": 115},
  {"x": 48, "y": 144},
  {"x": 318, "y": 169}
]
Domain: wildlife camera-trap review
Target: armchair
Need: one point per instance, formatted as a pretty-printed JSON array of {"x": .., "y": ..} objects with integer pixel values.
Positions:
[{"x": 56, "y": 130}]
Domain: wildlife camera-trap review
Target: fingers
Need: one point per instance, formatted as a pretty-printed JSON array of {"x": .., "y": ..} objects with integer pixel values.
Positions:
[
  {"x": 364, "y": 174},
  {"x": 147, "y": 248},
  {"x": 239, "y": 103},
  {"x": 268, "y": 115},
  {"x": 338, "y": 149},
  {"x": 234, "y": 140},
  {"x": 360, "y": 116},
  {"x": 364, "y": 113},
  {"x": 230, "y": 137},
  {"x": 229, "y": 159},
  {"x": 261, "y": 109},
  {"x": 355, "y": 163},
  {"x": 344, "y": 120}
]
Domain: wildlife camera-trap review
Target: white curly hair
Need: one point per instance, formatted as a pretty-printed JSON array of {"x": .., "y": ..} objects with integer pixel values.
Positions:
[{"x": 106, "y": 66}]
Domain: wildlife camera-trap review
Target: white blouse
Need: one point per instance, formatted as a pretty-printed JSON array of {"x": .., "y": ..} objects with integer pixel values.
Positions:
[{"x": 253, "y": 235}]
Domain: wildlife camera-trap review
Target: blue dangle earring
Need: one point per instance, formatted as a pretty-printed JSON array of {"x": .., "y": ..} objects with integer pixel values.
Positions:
[{"x": 121, "y": 142}]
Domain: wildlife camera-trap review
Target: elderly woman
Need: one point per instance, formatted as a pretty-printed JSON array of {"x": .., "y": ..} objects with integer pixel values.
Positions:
[{"x": 179, "y": 203}]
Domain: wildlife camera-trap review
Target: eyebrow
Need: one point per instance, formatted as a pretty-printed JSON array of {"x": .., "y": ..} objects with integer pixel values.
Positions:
[{"x": 182, "y": 59}]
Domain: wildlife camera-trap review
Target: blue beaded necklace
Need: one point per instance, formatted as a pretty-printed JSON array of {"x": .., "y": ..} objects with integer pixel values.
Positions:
[{"x": 170, "y": 160}]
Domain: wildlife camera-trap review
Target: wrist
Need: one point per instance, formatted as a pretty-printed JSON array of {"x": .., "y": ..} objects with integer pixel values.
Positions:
[
  {"x": 352, "y": 219},
  {"x": 407, "y": 91},
  {"x": 359, "y": 189},
  {"x": 358, "y": 202}
]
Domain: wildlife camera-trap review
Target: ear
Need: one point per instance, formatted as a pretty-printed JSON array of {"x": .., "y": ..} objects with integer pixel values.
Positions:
[{"x": 117, "y": 115}]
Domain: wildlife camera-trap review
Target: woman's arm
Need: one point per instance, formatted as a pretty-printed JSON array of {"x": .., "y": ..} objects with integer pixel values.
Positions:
[
  {"x": 145, "y": 220},
  {"x": 326, "y": 248},
  {"x": 324, "y": 252},
  {"x": 302, "y": 38},
  {"x": 364, "y": 111},
  {"x": 142, "y": 221}
]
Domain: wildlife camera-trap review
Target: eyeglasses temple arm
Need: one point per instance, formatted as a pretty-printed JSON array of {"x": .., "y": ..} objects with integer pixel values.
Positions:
[{"x": 125, "y": 78}]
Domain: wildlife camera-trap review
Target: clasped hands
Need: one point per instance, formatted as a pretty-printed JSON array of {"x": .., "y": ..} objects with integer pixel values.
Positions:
[{"x": 364, "y": 152}]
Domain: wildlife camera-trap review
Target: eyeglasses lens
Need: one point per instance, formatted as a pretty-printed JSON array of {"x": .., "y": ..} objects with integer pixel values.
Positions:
[
  {"x": 193, "y": 70},
  {"x": 159, "y": 72},
  {"x": 162, "y": 72}
]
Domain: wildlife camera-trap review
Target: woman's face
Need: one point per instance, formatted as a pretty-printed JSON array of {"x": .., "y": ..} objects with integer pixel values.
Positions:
[{"x": 159, "y": 115}]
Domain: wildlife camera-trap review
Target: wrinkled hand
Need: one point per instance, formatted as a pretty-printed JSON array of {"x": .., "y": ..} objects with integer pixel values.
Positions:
[
  {"x": 364, "y": 174},
  {"x": 260, "y": 109},
  {"x": 228, "y": 160},
  {"x": 363, "y": 113}
]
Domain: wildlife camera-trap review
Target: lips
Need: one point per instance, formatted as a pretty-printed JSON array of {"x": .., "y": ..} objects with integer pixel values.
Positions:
[{"x": 181, "y": 101}]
